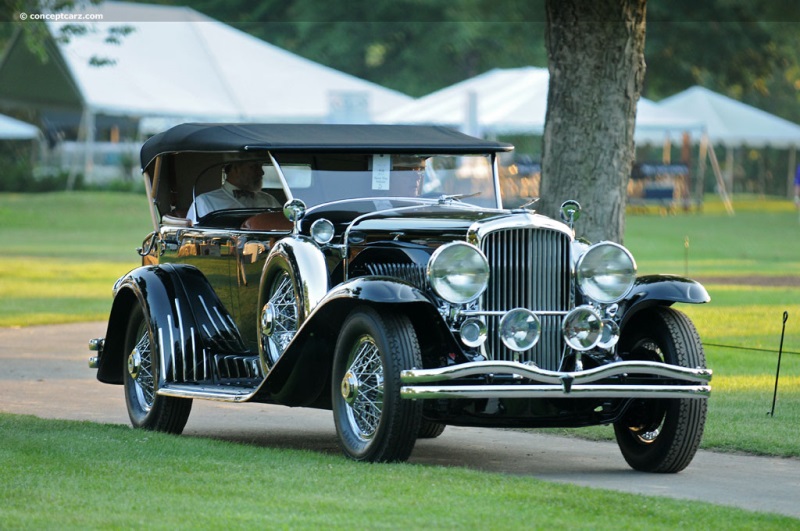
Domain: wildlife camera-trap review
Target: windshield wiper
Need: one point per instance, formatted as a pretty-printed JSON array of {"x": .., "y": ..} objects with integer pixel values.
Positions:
[{"x": 444, "y": 199}]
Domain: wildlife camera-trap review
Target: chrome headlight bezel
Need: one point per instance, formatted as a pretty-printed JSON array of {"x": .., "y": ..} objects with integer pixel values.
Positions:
[
  {"x": 606, "y": 272},
  {"x": 458, "y": 272}
]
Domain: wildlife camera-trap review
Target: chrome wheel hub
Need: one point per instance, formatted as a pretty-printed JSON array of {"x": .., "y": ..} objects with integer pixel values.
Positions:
[
  {"x": 134, "y": 363},
  {"x": 350, "y": 388},
  {"x": 362, "y": 389}
]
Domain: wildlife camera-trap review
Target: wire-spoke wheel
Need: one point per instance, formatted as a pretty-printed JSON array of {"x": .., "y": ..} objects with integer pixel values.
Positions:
[
  {"x": 146, "y": 408},
  {"x": 662, "y": 435},
  {"x": 372, "y": 421},
  {"x": 279, "y": 319}
]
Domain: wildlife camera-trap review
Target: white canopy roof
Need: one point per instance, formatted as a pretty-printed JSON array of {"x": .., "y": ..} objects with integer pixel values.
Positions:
[
  {"x": 13, "y": 129},
  {"x": 514, "y": 100},
  {"x": 178, "y": 62},
  {"x": 731, "y": 122}
]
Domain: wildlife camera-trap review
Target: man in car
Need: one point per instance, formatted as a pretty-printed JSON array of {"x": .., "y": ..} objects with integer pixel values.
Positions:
[{"x": 241, "y": 188}]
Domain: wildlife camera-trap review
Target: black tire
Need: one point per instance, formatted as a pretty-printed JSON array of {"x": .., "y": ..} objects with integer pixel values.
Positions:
[
  {"x": 146, "y": 409},
  {"x": 662, "y": 435},
  {"x": 283, "y": 315},
  {"x": 372, "y": 422},
  {"x": 429, "y": 429}
]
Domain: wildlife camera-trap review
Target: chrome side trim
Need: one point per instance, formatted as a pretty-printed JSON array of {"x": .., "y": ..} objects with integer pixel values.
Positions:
[
  {"x": 182, "y": 334},
  {"x": 556, "y": 391},
  {"x": 487, "y": 368}
]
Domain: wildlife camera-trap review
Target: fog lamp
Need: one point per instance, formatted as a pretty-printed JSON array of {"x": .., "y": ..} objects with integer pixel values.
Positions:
[
  {"x": 520, "y": 329},
  {"x": 582, "y": 328},
  {"x": 610, "y": 334},
  {"x": 473, "y": 332}
]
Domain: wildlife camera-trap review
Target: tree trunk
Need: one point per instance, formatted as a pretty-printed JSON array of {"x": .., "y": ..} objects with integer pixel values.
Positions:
[{"x": 596, "y": 60}]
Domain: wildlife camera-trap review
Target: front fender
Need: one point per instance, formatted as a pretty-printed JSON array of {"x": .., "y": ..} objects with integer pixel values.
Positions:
[
  {"x": 187, "y": 320},
  {"x": 309, "y": 356},
  {"x": 652, "y": 290},
  {"x": 304, "y": 261}
]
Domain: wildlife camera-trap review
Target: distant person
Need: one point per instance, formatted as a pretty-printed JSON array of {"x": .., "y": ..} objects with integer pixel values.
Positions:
[
  {"x": 797, "y": 187},
  {"x": 241, "y": 188}
]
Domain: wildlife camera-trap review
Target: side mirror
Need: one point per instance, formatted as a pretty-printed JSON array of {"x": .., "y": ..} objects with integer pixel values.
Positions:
[
  {"x": 570, "y": 212},
  {"x": 294, "y": 211}
]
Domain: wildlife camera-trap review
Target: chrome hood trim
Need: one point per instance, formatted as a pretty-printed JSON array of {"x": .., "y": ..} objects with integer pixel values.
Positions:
[
  {"x": 555, "y": 384},
  {"x": 515, "y": 220}
]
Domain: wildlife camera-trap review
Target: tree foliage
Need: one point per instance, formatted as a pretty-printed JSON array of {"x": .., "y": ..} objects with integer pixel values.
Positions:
[{"x": 747, "y": 50}]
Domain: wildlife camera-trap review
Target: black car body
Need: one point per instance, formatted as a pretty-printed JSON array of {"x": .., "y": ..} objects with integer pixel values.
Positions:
[{"x": 394, "y": 289}]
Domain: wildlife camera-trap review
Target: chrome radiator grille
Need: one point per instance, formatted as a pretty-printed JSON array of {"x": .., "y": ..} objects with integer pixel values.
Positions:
[{"x": 530, "y": 268}]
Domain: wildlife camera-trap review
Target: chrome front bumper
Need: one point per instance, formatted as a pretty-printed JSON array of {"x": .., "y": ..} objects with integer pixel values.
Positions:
[{"x": 428, "y": 383}]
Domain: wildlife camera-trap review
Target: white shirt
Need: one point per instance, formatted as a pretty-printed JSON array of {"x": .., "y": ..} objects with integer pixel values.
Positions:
[{"x": 223, "y": 198}]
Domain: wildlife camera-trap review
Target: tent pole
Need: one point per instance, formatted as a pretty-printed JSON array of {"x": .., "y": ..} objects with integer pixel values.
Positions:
[
  {"x": 729, "y": 168},
  {"x": 790, "y": 173},
  {"x": 701, "y": 168},
  {"x": 723, "y": 193},
  {"x": 89, "y": 138}
]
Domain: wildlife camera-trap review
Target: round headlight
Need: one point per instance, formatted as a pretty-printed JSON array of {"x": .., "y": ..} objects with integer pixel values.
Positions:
[
  {"x": 322, "y": 231},
  {"x": 520, "y": 329},
  {"x": 458, "y": 272},
  {"x": 582, "y": 328},
  {"x": 606, "y": 272}
]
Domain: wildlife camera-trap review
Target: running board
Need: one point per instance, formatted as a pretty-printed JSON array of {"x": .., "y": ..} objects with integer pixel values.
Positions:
[{"x": 219, "y": 394}]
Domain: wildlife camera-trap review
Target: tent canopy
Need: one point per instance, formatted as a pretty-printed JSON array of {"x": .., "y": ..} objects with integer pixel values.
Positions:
[
  {"x": 514, "y": 101},
  {"x": 731, "y": 122},
  {"x": 13, "y": 129},
  {"x": 178, "y": 62}
]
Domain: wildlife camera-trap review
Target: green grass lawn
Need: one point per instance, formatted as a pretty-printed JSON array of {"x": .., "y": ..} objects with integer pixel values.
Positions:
[
  {"x": 79, "y": 475},
  {"x": 62, "y": 253}
]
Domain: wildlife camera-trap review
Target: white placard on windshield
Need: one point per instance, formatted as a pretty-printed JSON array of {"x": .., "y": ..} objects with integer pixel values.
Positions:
[{"x": 381, "y": 167}]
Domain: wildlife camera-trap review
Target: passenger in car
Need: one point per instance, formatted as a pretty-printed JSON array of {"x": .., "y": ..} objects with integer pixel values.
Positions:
[{"x": 241, "y": 188}]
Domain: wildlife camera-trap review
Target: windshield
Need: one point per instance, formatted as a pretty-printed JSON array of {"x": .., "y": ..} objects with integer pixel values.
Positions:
[{"x": 327, "y": 178}]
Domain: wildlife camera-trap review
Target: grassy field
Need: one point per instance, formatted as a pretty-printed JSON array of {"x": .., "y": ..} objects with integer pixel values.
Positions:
[
  {"x": 73, "y": 475},
  {"x": 62, "y": 253}
]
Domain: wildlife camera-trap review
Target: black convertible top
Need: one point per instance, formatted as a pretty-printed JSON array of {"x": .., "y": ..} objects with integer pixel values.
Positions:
[{"x": 229, "y": 137}]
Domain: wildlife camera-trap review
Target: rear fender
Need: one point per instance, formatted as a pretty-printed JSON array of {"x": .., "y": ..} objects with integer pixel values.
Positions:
[{"x": 187, "y": 320}]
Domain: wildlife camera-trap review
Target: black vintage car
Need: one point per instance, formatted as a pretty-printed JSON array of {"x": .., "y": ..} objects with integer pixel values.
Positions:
[{"x": 393, "y": 289}]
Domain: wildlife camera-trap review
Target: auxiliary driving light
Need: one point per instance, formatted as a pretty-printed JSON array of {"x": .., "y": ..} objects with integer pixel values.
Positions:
[
  {"x": 473, "y": 332},
  {"x": 582, "y": 328},
  {"x": 610, "y": 334},
  {"x": 322, "y": 231},
  {"x": 520, "y": 329}
]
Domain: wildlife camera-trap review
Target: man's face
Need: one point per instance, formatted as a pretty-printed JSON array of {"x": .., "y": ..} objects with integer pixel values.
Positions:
[{"x": 246, "y": 175}]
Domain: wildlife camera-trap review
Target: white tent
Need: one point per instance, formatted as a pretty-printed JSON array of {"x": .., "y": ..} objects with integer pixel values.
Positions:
[
  {"x": 13, "y": 129},
  {"x": 514, "y": 100},
  {"x": 498, "y": 101},
  {"x": 731, "y": 122},
  {"x": 734, "y": 124},
  {"x": 178, "y": 62}
]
